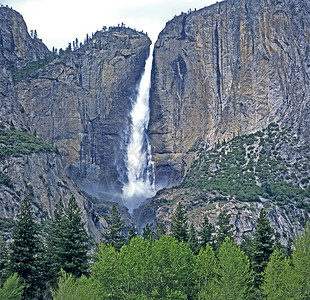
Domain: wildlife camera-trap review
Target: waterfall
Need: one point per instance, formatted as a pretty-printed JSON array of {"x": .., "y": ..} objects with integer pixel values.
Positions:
[{"x": 139, "y": 165}]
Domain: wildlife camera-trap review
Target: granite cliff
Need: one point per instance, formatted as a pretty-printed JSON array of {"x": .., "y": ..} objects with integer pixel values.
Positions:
[
  {"x": 225, "y": 70},
  {"x": 78, "y": 102},
  {"x": 219, "y": 74}
]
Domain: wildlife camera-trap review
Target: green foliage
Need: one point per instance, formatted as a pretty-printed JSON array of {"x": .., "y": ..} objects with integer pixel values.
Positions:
[
  {"x": 147, "y": 232},
  {"x": 17, "y": 143},
  {"x": 263, "y": 246},
  {"x": 224, "y": 229},
  {"x": 234, "y": 274},
  {"x": 206, "y": 274},
  {"x": 114, "y": 232},
  {"x": 71, "y": 288},
  {"x": 276, "y": 283},
  {"x": 161, "y": 269},
  {"x": 25, "y": 250},
  {"x": 193, "y": 242},
  {"x": 132, "y": 233},
  {"x": 67, "y": 241},
  {"x": 251, "y": 167},
  {"x": 179, "y": 224},
  {"x": 285, "y": 279},
  {"x": 3, "y": 260},
  {"x": 205, "y": 232},
  {"x": 6, "y": 180},
  {"x": 12, "y": 289},
  {"x": 31, "y": 67}
]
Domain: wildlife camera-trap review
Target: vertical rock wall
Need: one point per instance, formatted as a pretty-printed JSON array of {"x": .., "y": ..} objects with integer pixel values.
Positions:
[{"x": 228, "y": 69}]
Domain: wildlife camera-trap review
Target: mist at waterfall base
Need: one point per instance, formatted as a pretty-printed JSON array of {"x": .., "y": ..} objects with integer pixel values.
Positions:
[{"x": 140, "y": 170}]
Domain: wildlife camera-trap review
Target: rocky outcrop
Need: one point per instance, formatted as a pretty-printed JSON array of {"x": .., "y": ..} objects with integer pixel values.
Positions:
[
  {"x": 228, "y": 69},
  {"x": 78, "y": 102},
  {"x": 81, "y": 101},
  {"x": 17, "y": 49}
]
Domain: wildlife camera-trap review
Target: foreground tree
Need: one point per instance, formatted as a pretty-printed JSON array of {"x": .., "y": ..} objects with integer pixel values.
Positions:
[
  {"x": 179, "y": 224},
  {"x": 193, "y": 242},
  {"x": 25, "y": 250},
  {"x": 68, "y": 241},
  {"x": 262, "y": 247},
  {"x": 234, "y": 272},
  {"x": 113, "y": 234},
  {"x": 224, "y": 229},
  {"x": 205, "y": 232},
  {"x": 289, "y": 279},
  {"x": 12, "y": 289}
]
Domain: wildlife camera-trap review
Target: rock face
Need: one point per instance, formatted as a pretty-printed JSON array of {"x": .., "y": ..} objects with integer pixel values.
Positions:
[
  {"x": 80, "y": 102},
  {"x": 17, "y": 49},
  {"x": 228, "y": 69}
]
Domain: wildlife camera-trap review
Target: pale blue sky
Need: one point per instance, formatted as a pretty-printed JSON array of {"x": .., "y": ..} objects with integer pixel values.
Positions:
[{"x": 61, "y": 21}]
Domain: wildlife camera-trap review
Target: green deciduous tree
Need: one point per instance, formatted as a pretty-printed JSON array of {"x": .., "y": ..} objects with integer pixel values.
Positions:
[
  {"x": 276, "y": 277},
  {"x": 233, "y": 272},
  {"x": 113, "y": 234},
  {"x": 68, "y": 241},
  {"x": 71, "y": 288},
  {"x": 25, "y": 250},
  {"x": 145, "y": 269},
  {"x": 206, "y": 274},
  {"x": 12, "y": 289},
  {"x": 179, "y": 224}
]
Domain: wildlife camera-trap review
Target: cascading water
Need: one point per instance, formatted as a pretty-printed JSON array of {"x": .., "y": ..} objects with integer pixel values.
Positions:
[{"x": 140, "y": 170}]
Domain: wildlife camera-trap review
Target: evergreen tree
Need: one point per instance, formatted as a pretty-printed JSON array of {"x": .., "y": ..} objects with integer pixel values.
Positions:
[
  {"x": 4, "y": 259},
  {"x": 205, "y": 232},
  {"x": 114, "y": 232},
  {"x": 132, "y": 233},
  {"x": 68, "y": 241},
  {"x": 147, "y": 232},
  {"x": 224, "y": 230},
  {"x": 193, "y": 242},
  {"x": 160, "y": 231},
  {"x": 25, "y": 250},
  {"x": 263, "y": 245},
  {"x": 179, "y": 224}
]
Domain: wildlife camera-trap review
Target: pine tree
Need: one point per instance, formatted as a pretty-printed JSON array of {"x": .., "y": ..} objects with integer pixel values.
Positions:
[
  {"x": 179, "y": 224},
  {"x": 25, "y": 250},
  {"x": 160, "y": 231},
  {"x": 147, "y": 232},
  {"x": 68, "y": 241},
  {"x": 205, "y": 232},
  {"x": 4, "y": 260},
  {"x": 114, "y": 232},
  {"x": 263, "y": 246},
  {"x": 193, "y": 242},
  {"x": 132, "y": 233},
  {"x": 224, "y": 230}
]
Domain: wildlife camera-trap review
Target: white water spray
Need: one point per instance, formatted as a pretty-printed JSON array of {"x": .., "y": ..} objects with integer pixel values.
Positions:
[{"x": 140, "y": 170}]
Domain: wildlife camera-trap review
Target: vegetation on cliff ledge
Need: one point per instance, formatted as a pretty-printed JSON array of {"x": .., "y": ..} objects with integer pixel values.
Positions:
[
  {"x": 270, "y": 165},
  {"x": 17, "y": 143}
]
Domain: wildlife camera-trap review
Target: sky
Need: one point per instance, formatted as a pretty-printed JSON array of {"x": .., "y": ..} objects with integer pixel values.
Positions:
[{"x": 59, "y": 22}]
